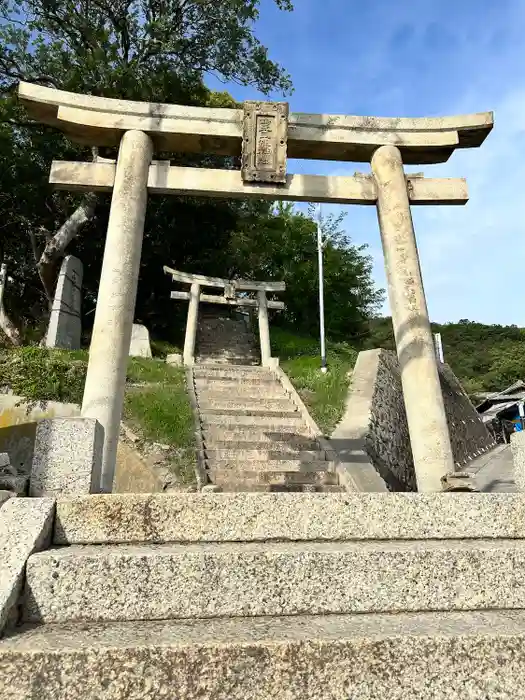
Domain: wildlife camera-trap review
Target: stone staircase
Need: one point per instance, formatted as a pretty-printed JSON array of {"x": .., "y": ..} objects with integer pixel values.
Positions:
[
  {"x": 254, "y": 437},
  {"x": 224, "y": 336},
  {"x": 264, "y": 596}
]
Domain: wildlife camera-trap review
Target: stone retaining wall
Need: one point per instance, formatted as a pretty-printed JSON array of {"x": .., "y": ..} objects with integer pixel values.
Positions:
[{"x": 375, "y": 422}]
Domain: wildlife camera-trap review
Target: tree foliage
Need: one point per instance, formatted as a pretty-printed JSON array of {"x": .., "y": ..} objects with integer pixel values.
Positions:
[
  {"x": 156, "y": 51},
  {"x": 148, "y": 50},
  {"x": 485, "y": 357},
  {"x": 283, "y": 245},
  {"x": 114, "y": 47}
]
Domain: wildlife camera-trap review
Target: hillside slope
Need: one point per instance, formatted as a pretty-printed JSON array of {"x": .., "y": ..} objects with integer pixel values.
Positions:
[{"x": 484, "y": 357}]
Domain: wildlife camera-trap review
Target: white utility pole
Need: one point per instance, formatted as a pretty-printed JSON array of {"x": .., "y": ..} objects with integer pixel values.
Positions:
[
  {"x": 321, "y": 290},
  {"x": 439, "y": 347}
]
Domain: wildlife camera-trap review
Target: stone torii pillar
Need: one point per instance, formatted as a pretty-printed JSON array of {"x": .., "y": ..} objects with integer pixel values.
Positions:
[
  {"x": 108, "y": 353},
  {"x": 425, "y": 410},
  {"x": 264, "y": 328},
  {"x": 191, "y": 324}
]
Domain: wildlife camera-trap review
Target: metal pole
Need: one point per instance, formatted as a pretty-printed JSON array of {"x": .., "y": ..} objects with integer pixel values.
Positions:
[
  {"x": 321, "y": 290},
  {"x": 439, "y": 347}
]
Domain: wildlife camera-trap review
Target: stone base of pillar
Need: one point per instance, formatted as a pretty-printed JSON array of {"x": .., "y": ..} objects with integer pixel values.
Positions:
[{"x": 67, "y": 457}]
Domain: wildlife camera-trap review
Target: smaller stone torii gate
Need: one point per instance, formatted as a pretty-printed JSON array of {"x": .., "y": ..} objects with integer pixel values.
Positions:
[
  {"x": 263, "y": 135},
  {"x": 229, "y": 298}
]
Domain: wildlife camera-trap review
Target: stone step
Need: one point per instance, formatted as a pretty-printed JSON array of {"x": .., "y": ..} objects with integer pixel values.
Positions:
[
  {"x": 263, "y": 454},
  {"x": 216, "y": 337},
  {"x": 215, "y": 344},
  {"x": 255, "y": 412},
  {"x": 270, "y": 465},
  {"x": 225, "y": 389},
  {"x": 278, "y": 476},
  {"x": 244, "y": 392},
  {"x": 211, "y": 369},
  {"x": 231, "y": 361},
  {"x": 276, "y": 438},
  {"x": 257, "y": 421},
  {"x": 290, "y": 445},
  {"x": 200, "y": 517},
  {"x": 282, "y": 406},
  {"x": 235, "y": 487},
  {"x": 231, "y": 383},
  {"x": 222, "y": 351},
  {"x": 409, "y": 656},
  {"x": 150, "y": 582},
  {"x": 217, "y": 358}
]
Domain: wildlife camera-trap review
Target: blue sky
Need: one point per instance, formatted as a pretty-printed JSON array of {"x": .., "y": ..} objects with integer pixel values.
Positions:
[{"x": 424, "y": 58}]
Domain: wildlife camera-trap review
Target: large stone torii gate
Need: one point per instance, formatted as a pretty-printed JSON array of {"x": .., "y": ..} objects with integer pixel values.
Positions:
[{"x": 264, "y": 134}]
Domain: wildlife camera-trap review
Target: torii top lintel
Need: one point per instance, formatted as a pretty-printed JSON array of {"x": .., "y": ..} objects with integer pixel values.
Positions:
[{"x": 101, "y": 121}]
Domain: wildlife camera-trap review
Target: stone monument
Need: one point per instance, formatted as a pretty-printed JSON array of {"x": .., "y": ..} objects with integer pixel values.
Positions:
[
  {"x": 65, "y": 325},
  {"x": 139, "y": 345}
]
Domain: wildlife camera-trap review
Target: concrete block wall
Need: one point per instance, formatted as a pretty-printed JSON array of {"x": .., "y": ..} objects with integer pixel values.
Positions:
[{"x": 375, "y": 424}]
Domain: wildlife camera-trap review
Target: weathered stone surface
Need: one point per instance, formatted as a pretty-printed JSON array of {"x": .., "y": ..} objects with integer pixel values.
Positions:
[
  {"x": 11, "y": 480},
  {"x": 374, "y": 430},
  {"x": 25, "y": 527},
  {"x": 325, "y": 136},
  {"x": 110, "y": 341},
  {"x": 225, "y": 336},
  {"x": 65, "y": 326},
  {"x": 139, "y": 345},
  {"x": 5, "y": 496},
  {"x": 431, "y": 656},
  {"x": 18, "y": 420},
  {"x": 67, "y": 457},
  {"x": 148, "y": 582},
  {"x": 174, "y": 359},
  {"x": 134, "y": 475},
  {"x": 265, "y": 136},
  {"x": 158, "y": 518}
]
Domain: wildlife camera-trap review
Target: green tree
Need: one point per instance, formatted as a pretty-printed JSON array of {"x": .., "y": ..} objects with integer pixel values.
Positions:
[
  {"x": 132, "y": 49},
  {"x": 282, "y": 245},
  {"x": 485, "y": 357}
]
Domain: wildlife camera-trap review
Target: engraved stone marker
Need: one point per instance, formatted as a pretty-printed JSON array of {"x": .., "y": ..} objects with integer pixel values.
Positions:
[
  {"x": 3, "y": 280},
  {"x": 264, "y": 142},
  {"x": 140, "y": 345},
  {"x": 65, "y": 323}
]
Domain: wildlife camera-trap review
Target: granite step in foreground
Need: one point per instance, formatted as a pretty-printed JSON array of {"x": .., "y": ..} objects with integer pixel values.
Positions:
[
  {"x": 174, "y": 581},
  {"x": 418, "y": 656},
  {"x": 263, "y": 596}
]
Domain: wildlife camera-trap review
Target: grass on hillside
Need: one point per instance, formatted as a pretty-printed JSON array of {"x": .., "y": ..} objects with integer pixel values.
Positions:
[
  {"x": 156, "y": 404},
  {"x": 323, "y": 394}
]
